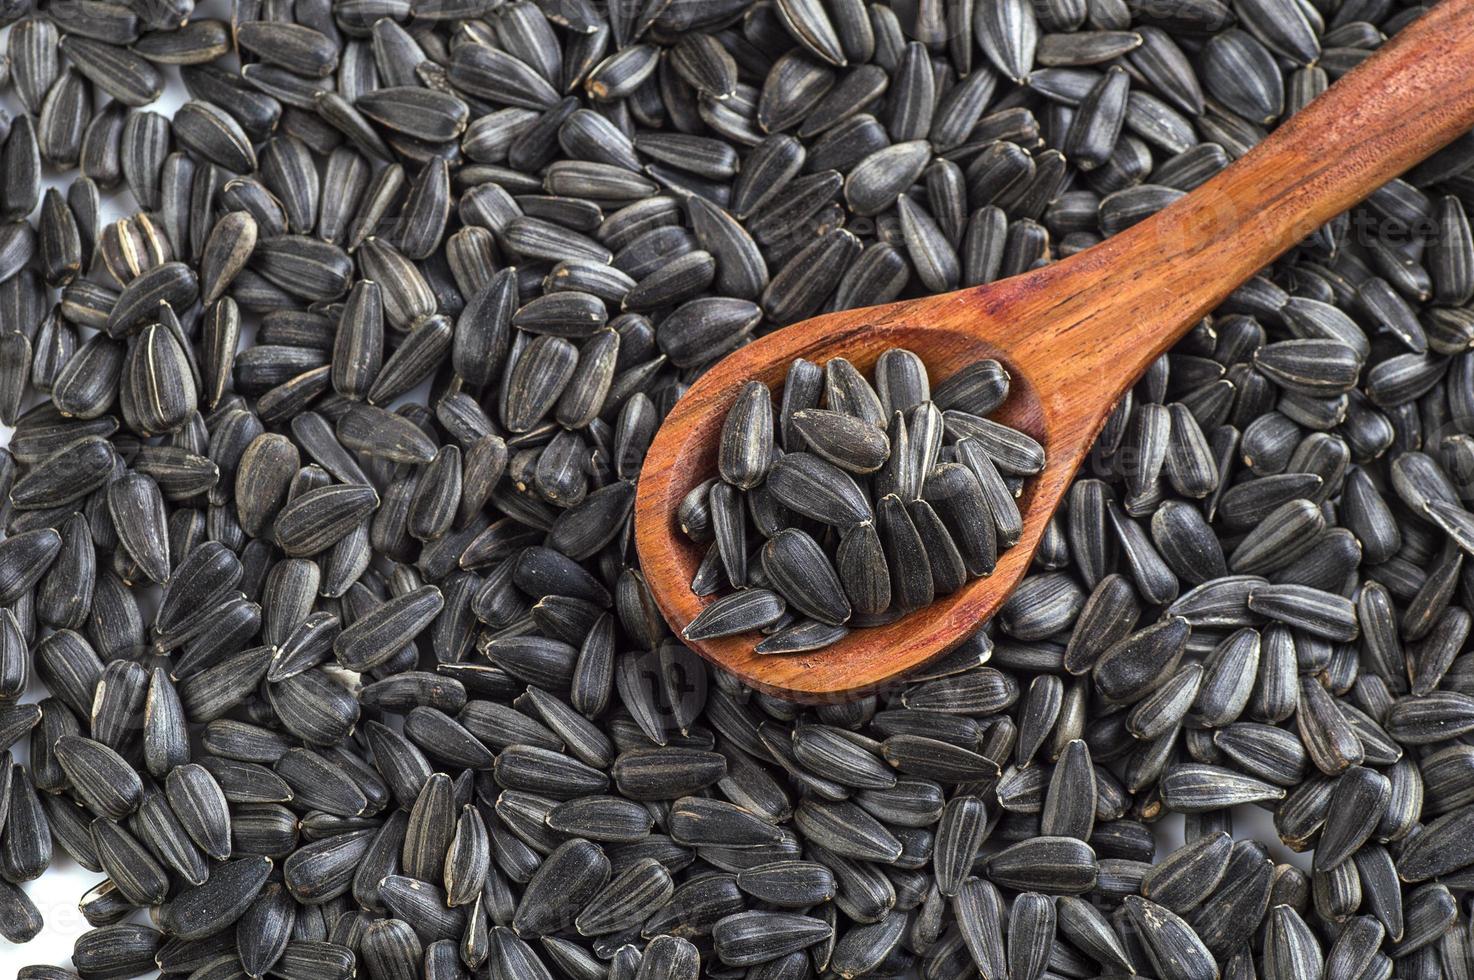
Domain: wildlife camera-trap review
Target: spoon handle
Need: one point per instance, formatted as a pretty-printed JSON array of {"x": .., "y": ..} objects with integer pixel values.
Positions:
[{"x": 1415, "y": 95}]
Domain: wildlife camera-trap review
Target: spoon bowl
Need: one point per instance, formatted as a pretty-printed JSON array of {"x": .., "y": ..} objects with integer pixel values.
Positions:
[
  {"x": 1073, "y": 335},
  {"x": 685, "y": 454}
]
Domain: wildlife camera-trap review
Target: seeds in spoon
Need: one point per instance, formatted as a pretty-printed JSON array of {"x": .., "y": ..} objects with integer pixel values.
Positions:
[{"x": 893, "y": 555}]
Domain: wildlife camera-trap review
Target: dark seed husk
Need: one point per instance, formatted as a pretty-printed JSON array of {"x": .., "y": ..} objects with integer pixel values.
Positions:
[
  {"x": 382, "y": 633},
  {"x": 1169, "y": 942},
  {"x": 318, "y": 519},
  {"x": 747, "y": 438},
  {"x": 200, "y": 804},
  {"x": 798, "y": 570},
  {"x": 105, "y": 782},
  {"x": 119, "y": 72},
  {"x": 816, "y": 488},
  {"x": 218, "y": 903},
  {"x": 741, "y": 612},
  {"x": 1057, "y": 865}
]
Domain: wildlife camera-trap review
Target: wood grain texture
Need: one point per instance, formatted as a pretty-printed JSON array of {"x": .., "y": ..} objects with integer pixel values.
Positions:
[{"x": 1073, "y": 336}]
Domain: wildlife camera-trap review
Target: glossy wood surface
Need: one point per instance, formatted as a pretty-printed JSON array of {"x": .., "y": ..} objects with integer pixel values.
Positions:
[{"x": 1073, "y": 335}]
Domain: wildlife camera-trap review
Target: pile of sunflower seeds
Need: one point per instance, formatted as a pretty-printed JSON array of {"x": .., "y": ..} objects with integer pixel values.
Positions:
[
  {"x": 864, "y": 517},
  {"x": 404, "y": 706}
]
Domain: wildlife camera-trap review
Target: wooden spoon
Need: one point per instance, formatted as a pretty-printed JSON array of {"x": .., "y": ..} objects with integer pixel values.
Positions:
[{"x": 1074, "y": 336}]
